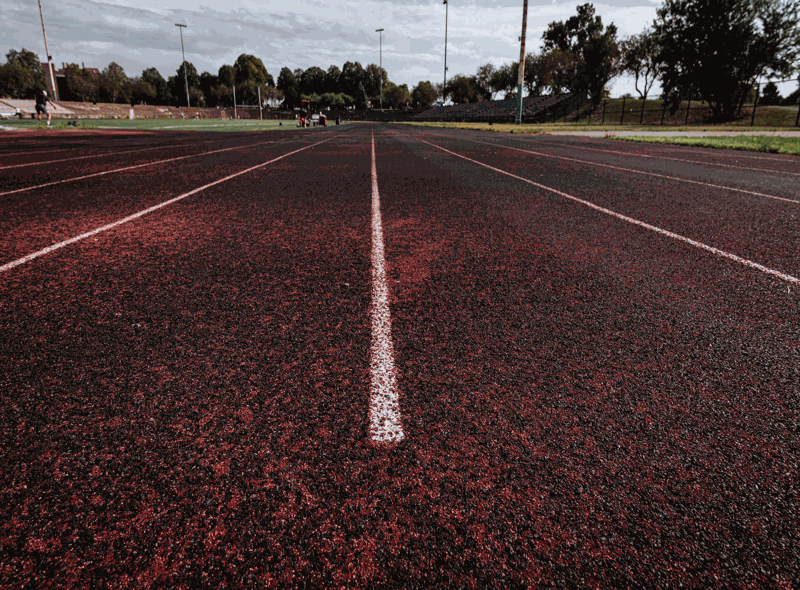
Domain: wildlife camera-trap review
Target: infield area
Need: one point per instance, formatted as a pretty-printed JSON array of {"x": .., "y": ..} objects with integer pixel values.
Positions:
[{"x": 375, "y": 356}]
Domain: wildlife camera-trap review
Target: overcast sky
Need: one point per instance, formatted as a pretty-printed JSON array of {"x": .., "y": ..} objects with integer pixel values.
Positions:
[{"x": 299, "y": 34}]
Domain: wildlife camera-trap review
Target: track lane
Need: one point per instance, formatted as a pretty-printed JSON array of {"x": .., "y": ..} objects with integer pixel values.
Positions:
[
  {"x": 40, "y": 219},
  {"x": 185, "y": 399},
  {"x": 206, "y": 389},
  {"x": 590, "y": 409},
  {"x": 761, "y": 230}
]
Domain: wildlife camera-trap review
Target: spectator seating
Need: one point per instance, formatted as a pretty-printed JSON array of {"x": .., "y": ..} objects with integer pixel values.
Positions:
[{"x": 535, "y": 108}]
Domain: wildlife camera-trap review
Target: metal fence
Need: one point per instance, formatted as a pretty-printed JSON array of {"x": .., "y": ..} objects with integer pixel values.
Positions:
[{"x": 633, "y": 111}]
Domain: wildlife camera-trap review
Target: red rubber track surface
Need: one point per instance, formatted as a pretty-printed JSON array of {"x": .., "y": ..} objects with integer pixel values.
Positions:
[{"x": 586, "y": 403}]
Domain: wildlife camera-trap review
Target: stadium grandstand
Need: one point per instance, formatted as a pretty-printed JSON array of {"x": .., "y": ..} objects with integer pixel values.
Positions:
[{"x": 534, "y": 109}]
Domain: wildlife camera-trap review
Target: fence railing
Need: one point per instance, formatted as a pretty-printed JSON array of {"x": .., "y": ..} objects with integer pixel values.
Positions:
[{"x": 635, "y": 111}]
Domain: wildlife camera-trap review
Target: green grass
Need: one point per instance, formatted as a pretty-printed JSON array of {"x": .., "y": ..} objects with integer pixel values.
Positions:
[
  {"x": 755, "y": 143},
  {"x": 551, "y": 127},
  {"x": 155, "y": 124}
]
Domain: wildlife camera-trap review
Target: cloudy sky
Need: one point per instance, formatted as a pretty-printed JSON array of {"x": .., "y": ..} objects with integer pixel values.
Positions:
[{"x": 299, "y": 34}]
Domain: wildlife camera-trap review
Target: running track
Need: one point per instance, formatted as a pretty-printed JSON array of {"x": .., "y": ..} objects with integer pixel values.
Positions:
[{"x": 476, "y": 361}]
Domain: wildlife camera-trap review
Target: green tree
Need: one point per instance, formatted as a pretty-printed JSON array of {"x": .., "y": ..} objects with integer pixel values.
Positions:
[
  {"x": 638, "y": 56},
  {"x": 463, "y": 89},
  {"x": 226, "y": 76},
  {"x": 313, "y": 81},
  {"x": 332, "y": 76},
  {"x": 483, "y": 77},
  {"x": 21, "y": 76},
  {"x": 249, "y": 68},
  {"x": 424, "y": 95},
  {"x": 208, "y": 82},
  {"x": 397, "y": 97},
  {"x": 114, "y": 84},
  {"x": 587, "y": 52},
  {"x": 770, "y": 96},
  {"x": 177, "y": 85},
  {"x": 154, "y": 78},
  {"x": 373, "y": 77},
  {"x": 721, "y": 47},
  {"x": 288, "y": 84},
  {"x": 353, "y": 82},
  {"x": 81, "y": 85}
]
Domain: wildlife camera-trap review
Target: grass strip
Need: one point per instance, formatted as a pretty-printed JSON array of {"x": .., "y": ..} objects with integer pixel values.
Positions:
[
  {"x": 754, "y": 143},
  {"x": 548, "y": 128}
]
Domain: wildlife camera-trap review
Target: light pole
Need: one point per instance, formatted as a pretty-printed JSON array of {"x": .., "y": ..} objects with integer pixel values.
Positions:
[
  {"x": 380, "y": 72},
  {"x": 521, "y": 73},
  {"x": 50, "y": 68},
  {"x": 446, "y": 7},
  {"x": 185, "y": 74}
]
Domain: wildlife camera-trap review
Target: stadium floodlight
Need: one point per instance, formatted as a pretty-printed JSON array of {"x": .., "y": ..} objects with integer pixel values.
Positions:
[
  {"x": 185, "y": 74},
  {"x": 446, "y": 7},
  {"x": 380, "y": 72},
  {"x": 521, "y": 72},
  {"x": 50, "y": 68}
]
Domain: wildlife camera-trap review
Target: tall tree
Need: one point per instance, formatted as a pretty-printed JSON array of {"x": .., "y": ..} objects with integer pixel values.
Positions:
[
  {"x": 177, "y": 84},
  {"x": 332, "y": 76},
  {"x": 721, "y": 47},
  {"x": 153, "y": 77},
  {"x": 424, "y": 95},
  {"x": 81, "y": 85},
  {"x": 249, "y": 68},
  {"x": 463, "y": 89},
  {"x": 21, "y": 76},
  {"x": 593, "y": 50},
  {"x": 638, "y": 56},
  {"x": 114, "y": 84},
  {"x": 313, "y": 81},
  {"x": 288, "y": 84},
  {"x": 373, "y": 77},
  {"x": 353, "y": 82},
  {"x": 208, "y": 82}
]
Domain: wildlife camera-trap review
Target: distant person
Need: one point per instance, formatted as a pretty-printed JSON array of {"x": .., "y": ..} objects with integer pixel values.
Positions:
[{"x": 41, "y": 106}]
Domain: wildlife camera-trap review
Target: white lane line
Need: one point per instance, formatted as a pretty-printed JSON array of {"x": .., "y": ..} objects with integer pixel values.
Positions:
[
  {"x": 677, "y": 178},
  {"x": 783, "y": 276},
  {"x": 385, "y": 425},
  {"x": 47, "y": 162},
  {"x": 115, "y": 170},
  {"x": 658, "y": 157},
  {"x": 42, "y": 252}
]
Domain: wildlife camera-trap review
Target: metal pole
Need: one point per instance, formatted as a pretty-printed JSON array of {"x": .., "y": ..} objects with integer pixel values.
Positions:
[
  {"x": 688, "y": 106},
  {"x": 185, "y": 74},
  {"x": 260, "y": 113},
  {"x": 444, "y": 84},
  {"x": 755, "y": 104},
  {"x": 380, "y": 72},
  {"x": 50, "y": 68},
  {"x": 521, "y": 73},
  {"x": 235, "y": 116}
]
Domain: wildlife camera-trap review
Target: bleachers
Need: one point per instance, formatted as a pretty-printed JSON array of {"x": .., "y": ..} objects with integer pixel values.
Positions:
[
  {"x": 9, "y": 106},
  {"x": 535, "y": 108}
]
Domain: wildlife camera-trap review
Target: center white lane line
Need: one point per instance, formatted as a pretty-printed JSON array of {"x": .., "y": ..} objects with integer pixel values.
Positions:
[
  {"x": 385, "y": 424},
  {"x": 42, "y": 252},
  {"x": 722, "y": 253}
]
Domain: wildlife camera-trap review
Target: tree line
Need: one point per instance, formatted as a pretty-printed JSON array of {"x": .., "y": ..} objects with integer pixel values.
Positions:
[
  {"x": 713, "y": 50},
  {"x": 351, "y": 86}
]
